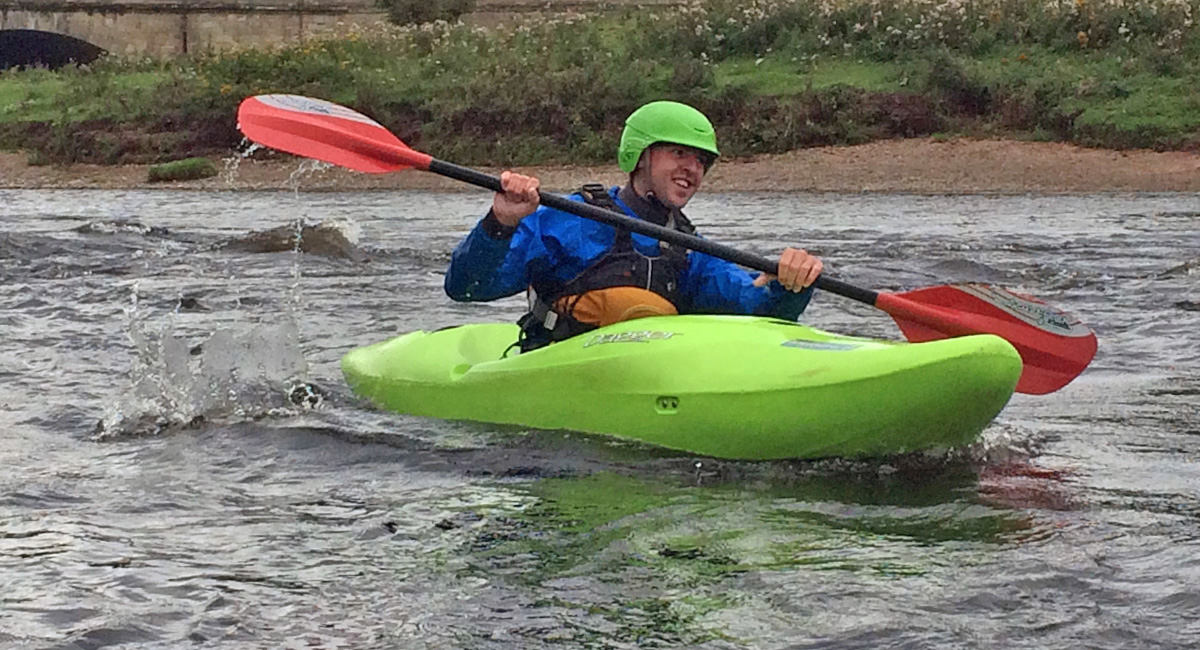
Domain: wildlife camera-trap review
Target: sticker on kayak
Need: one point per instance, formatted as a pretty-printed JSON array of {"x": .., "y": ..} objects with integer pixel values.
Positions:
[
  {"x": 1029, "y": 309},
  {"x": 302, "y": 104},
  {"x": 827, "y": 346},
  {"x": 643, "y": 336}
]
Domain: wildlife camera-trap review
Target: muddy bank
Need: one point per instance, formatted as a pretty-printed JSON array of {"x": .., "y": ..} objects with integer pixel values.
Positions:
[{"x": 921, "y": 165}]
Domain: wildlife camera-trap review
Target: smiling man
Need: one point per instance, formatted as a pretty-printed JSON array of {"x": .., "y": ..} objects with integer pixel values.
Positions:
[{"x": 582, "y": 274}]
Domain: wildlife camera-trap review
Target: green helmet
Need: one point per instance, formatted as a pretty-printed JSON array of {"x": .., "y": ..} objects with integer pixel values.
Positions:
[{"x": 664, "y": 122}]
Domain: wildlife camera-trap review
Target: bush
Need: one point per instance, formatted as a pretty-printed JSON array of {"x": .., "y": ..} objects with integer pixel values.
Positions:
[
  {"x": 187, "y": 169},
  {"x": 949, "y": 79}
]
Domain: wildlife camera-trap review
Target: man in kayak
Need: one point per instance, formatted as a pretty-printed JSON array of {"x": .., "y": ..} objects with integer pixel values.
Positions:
[{"x": 581, "y": 274}]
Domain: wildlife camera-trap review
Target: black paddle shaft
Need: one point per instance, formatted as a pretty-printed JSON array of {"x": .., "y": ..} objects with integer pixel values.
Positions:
[{"x": 670, "y": 235}]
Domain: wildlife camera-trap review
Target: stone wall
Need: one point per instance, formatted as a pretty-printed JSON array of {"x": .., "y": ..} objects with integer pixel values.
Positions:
[{"x": 171, "y": 27}]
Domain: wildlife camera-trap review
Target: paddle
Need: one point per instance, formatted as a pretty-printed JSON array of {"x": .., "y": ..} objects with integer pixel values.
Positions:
[{"x": 1054, "y": 346}]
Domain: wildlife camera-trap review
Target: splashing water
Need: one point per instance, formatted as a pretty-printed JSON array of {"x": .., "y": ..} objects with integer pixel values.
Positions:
[
  {"x": 307, "y": 169},
  {"x": 239, "y": 373},
  {"x": 234, "y": 162},
  {"x": 231, "y": 375}
]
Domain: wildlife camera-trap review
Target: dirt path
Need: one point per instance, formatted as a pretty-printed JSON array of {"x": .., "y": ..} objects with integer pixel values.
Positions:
[{"x": 919, "y": 165}]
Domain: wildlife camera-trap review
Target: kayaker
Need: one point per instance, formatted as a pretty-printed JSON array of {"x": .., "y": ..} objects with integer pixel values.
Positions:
[{"x": 581, "y": 274}]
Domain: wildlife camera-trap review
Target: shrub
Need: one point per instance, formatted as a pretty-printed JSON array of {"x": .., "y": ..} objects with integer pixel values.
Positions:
[
  {"x": 949, "y": 79},
  {"x": 182, "y": 170}
]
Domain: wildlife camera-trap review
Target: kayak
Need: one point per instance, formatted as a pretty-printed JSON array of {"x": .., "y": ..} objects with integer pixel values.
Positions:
[{"x": 738, "y": 387}]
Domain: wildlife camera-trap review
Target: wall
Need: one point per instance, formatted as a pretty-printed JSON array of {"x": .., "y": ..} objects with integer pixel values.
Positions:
[{"x": 172, "y": 27}]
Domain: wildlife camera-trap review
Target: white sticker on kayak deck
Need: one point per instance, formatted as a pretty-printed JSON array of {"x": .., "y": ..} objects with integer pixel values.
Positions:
[
  {"x": 827, "y": 346},
  {"x": 642, "y": 336}
]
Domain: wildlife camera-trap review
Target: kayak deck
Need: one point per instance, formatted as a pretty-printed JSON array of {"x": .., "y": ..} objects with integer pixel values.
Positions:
[{"x": 724, "y": 386}]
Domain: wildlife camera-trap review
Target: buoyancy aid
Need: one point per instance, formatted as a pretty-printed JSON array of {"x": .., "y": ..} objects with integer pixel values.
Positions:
[{"x": 553, "y": 314}]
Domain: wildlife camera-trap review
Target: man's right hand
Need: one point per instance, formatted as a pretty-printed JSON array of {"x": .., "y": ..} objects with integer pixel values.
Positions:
[
  {"x": 798, "y": 269},
  {"x": 518, "y": 200}
]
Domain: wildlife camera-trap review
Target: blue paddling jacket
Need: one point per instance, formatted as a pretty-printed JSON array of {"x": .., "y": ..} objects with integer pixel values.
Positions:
[{"x": 555, "y": 246}]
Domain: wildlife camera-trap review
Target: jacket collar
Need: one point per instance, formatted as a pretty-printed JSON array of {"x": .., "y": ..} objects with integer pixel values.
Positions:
[{"x": 649, "y": 208}]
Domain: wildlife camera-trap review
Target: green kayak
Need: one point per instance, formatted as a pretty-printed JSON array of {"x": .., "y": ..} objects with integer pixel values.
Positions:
[{"x": 723, "y": 386}]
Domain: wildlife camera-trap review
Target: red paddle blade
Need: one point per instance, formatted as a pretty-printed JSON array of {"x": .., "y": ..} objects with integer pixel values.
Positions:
[
  {"x": 1054, "y": 345},
  {"x": 315, "y": 128}
]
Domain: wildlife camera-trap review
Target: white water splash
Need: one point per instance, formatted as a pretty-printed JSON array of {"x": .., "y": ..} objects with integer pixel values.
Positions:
[
  {"x": 231, "y": 375},
  {"x": 233, "y": 163},
  {"x": 307, "y": 168}
]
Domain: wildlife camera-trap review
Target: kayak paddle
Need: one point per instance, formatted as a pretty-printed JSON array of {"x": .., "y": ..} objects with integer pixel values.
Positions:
[{"x": 1054, "y": 346}]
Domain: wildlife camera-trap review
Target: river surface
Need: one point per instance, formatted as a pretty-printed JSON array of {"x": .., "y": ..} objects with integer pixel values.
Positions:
[{"x": 166, "y": 481}]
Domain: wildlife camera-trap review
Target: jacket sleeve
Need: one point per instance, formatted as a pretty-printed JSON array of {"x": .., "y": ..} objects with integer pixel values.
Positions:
[
  {"x": 716, "y": 286},
  {"x": 486, "y": 268}
]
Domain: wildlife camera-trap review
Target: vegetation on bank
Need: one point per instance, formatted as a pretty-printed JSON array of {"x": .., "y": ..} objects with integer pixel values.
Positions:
[
  {"x": 182, "y": 170},
  {"x": 774, "y": 75}
]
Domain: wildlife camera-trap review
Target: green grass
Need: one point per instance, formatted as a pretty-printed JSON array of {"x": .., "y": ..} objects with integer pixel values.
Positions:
[
  {"x": 1144, "y": 119},
  {"x": 781, "y": 76},
  {"x": 182, "y": 170},
  {"x": 1115, "y": 99},
  {"x": 44, "y": 96},
  {"x": 30, "y": 96}
]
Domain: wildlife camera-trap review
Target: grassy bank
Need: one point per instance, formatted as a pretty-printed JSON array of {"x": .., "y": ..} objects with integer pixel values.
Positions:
[{"x": 773, "y": 75}]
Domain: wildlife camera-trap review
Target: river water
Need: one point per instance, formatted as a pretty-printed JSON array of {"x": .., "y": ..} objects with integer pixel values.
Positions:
[{"x": 159, "y": 488}]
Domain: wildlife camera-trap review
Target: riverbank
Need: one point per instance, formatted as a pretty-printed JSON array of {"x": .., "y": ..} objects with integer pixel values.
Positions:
[
  {"x": 773, "y": 77},
  {"x": 917, "y": 165}
]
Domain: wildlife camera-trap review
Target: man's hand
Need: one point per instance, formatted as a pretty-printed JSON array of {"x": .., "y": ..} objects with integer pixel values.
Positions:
[
  {"x": 797, "y": 270},
  {"x": 518, "y": 200}
]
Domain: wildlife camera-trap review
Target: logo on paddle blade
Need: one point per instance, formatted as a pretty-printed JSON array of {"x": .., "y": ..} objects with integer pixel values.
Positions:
[
  {"x": 642, "y": 336},
  {"x": 1029, "y": 309},
  {"x": 302, "y": 104}
]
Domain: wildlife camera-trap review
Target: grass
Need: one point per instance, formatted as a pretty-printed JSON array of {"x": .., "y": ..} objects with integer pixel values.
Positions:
[
  {"x": 182, "y": 170},
  {"x": 777, "y": 76},
  {"x": 1113, "y": 99},
  {"x": 44, "y": 96},
  {"x": 30, "y": 96}
]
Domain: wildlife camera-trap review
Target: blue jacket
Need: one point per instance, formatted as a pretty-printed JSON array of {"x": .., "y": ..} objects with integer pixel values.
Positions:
[{"x": 562, "y": 244}]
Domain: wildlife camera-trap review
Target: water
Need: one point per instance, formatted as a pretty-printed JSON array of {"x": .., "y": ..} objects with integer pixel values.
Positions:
[{"x": 160, "y": 489}]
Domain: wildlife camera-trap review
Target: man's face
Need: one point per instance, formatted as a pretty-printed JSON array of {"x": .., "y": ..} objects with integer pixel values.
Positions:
[{"x": 674, "y": 172}]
